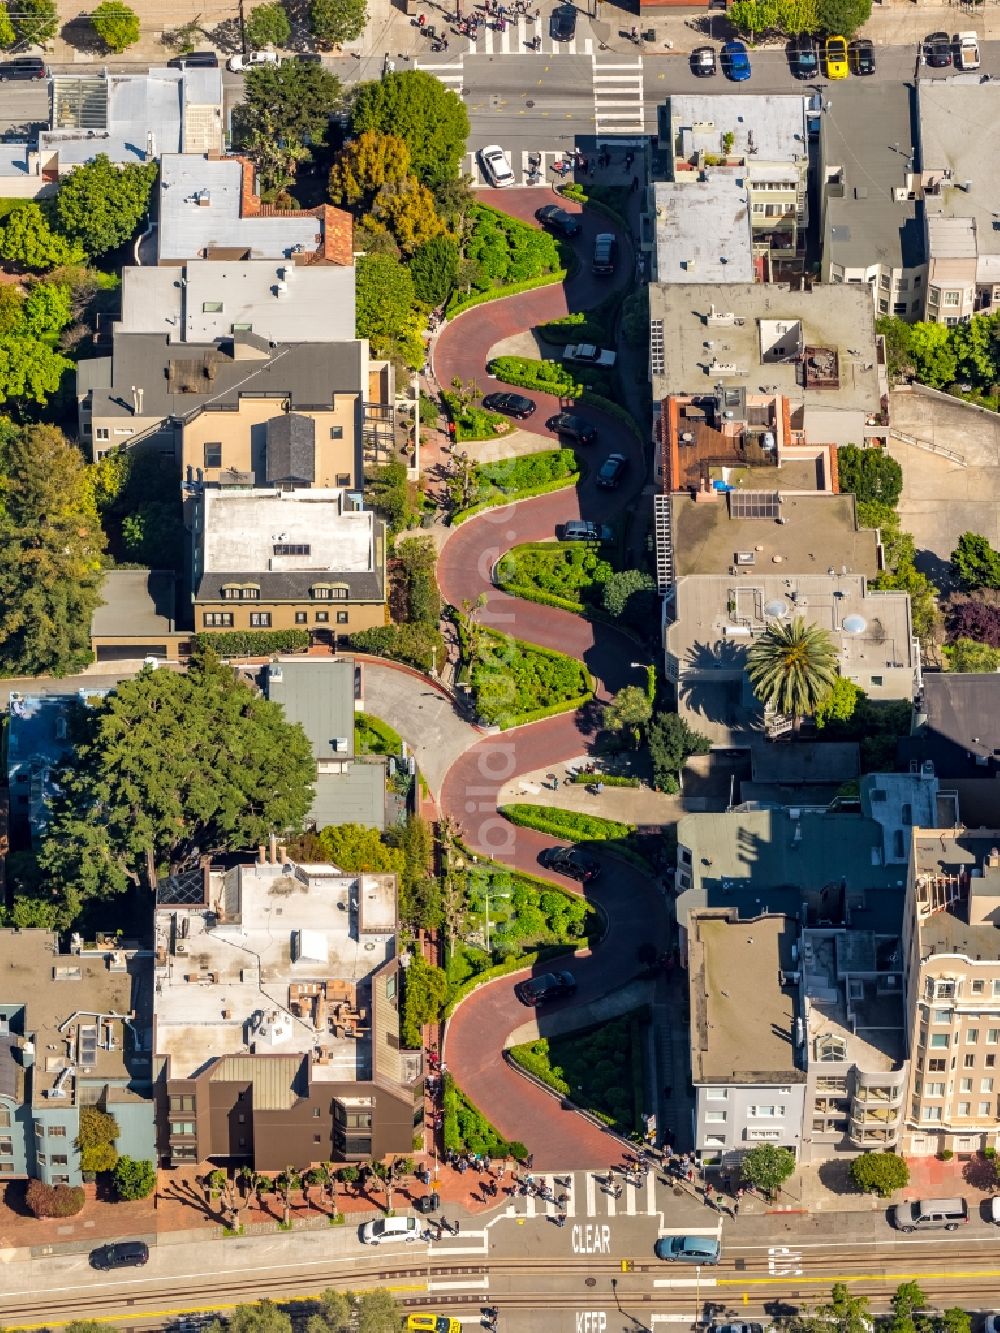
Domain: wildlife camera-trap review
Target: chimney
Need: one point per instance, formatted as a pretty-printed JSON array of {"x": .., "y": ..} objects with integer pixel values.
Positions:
[
  {"x": 282, "y": 853},
  {"x": 262, "y": 855},
  {"x": 273, "y": 846}
]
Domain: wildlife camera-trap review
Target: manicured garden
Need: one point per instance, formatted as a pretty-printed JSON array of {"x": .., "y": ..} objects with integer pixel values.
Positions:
[
  {"x": 513, "y": 682},
  {"x": 568, "y": 575},
  {"x": 373, "y": 736},
  {"x": 503, "y": 255},
  {"x": 474, "y": 422},
  {"x": 572, "y": 825},
  {"x": 485, "y": 485},
  {"x": 553, "y": 377},
  {"x": 601, "y": 1069}
]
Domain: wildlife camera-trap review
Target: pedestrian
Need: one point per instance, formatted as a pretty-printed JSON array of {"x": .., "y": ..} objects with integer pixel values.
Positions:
[
  {"x": 635, "y": 185},
  {"x": 529, "y": 1161},
  {"x": 736, "y": 1208},
  {"x": 456, "y": 1228},
  {"x": 561, "y": 1220}
]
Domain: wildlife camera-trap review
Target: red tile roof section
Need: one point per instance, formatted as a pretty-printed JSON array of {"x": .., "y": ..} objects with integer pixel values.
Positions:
[{"x": 334, "y": 237}]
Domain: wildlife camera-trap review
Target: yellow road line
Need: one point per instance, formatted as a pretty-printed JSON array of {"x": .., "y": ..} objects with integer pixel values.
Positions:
[{"x": 793, "y": 1280}]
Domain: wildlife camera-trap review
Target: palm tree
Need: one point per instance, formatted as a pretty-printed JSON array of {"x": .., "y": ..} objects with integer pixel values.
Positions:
[{"x": 792, "y": 666}]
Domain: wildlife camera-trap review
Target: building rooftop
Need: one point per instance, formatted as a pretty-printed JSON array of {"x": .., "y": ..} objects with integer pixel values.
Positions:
[
  {"x": 864, "y": 222},
  {"x": 178, "y": 380},
  {"x": 136, "y": 602},
  {"x": 702, "y": 231},
  {"x": 817, "y": 532},
  {"x": 272, "y": 958},
  {"x": 766, "y": 127},
  {"x": 14, "y": 160},
  {"x": 957, "y": 891},
  {"x": 853, "y": 997},
  {"x": 89, "y": 1015},
  {"x": 814, "y": 346},
  {"x": 319, "y": 695},
  {"x": 958, "y": 725},
  {"x": 205, "y": 299},
  {"x": 742, "y": 1015},
  {"x": 959, "y": 138},
  {"x": 208, "y": 209}
]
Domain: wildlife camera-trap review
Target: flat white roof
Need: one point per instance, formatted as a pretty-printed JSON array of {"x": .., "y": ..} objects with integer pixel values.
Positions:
[
  {"x": 703, "y": 231},
  {"x": 769, "y": 127},
  {"x": 242, "y": 529}
]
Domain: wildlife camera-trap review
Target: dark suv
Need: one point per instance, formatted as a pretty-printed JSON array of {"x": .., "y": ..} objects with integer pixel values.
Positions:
[
  {"x": 23, "y": 67},
  {"x": 121, "y": 1254},
  {"x": 549, "y": 986},
  {"x": 605, "y": 252},
  {"x": 568, "y": 426},
  {"x": 196, "y": 60},
  {"x": 570, "y": 861}
]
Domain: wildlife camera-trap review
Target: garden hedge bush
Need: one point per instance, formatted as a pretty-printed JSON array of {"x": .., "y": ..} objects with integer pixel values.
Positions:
[
  {"x": 475, "y": 423},
  {"x": 554, "y": 573},
  {"x": 569, "y": 824},
  {"x": 53, "y": 1200},
  {"x": 466, "y": 1129},
  {"x": 543, "y": 376},
  {"x": 514, "y": 479},
  {"x": 514, "y": 682},
  {"x": 413, "y": 644},
  {"x": 254, "y": 642},
  {"x": 373, "y": 736},
  {"x": 458, "y": 306},
  {"x": 608, "y": 779},
  {"x": 503, "y": 252}
]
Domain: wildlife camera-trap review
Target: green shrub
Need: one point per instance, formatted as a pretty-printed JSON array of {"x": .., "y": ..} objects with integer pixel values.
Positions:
[
  {"x": 568, "y": 824},
  {"x": 461, "y": 302},
  {"x": 373, "y": 736},
  {"x": 475, "y": 423},
  {"x": 417, "y": 562},
  {"x": 514, "y": 682},
  {"x": 419, "y": 645},
  {"x": 254, "y": 642},
  {"x": 53, "y": 1200},
  {"x": 466, "y": 1129},
  {"x": 580, "y": 326},
  {"x": 568, "y": 574},
  {"x": 608, "y": 779},
  {"x": 502, "y": 252},
  {"x": 543, "y": 376},
  {"x": 511, "y": 479},
  {"x": 134, "y": 1179},
  {"x": 424, "y": 989}
]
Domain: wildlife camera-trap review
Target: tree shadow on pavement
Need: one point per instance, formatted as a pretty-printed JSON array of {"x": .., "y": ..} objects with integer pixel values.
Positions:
[
  {"x": 980, "y": 1172},
  {"x": 836, "y": 1177}
]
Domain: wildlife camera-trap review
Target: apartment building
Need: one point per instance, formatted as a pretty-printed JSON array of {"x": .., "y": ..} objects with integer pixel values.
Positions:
[
  {"x": 277, "y": 1017},
  {"x": 701, "y": 233},
  {"x": 75, "y": 1031},
  {"x": 952, "y": 954}
]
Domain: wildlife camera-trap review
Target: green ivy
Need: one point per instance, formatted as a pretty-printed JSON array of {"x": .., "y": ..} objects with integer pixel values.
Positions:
[{"x": 254, "y": 642}]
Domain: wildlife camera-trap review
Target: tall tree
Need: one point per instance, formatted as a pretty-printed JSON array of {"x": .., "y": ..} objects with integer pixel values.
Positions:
[
  {"x": 792, "y": 667},
  {"x": 27, "y": 240},
  {"x": 293, "y": 100},
  {"x": 116, "y": 24},
  {"x": 335, "y": 22},
  {"x": 871, "y": 475},
  {"x": 842, "y": 16},
  {"x": 430, "y": 119},
  {"x": 434, "y": 270},
  {"x": 408, "y": 211},
  {"x": 975, "y": 563},
  {"x": 36, "y": 21},
  {"x": 170, "y": 769},
  {"x": 767, "y": 1167},
  {"x": 386, "y": 309},
  {"x": 7, "y": 34},
  {"x": 269, "y": 25},
  {"x": 628, "y": 711},
  {"x": 52, "y": 543},
  {"x": 369, "y": 162},
  {"x": 101, "y": 204}
]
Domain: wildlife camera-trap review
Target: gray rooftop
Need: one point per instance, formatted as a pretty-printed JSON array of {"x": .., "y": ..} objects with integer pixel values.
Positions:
[
  {"x": 200, "y": 208},
  {"x": 869, "y": 1024},
  {"x": 766, "y": 126},
  {"x": 864, "y": 224},
  {"x": 177, "y": 380},
  {"x": 14, "y": 160},
  {"x": 137, "y": 602},
  {"x": 356, "y": 796},
  {"x": 960, "y": 134},
  {"x": 760, "y": 333},
  {"x": 703, "y": 231},
  {"x": 319, "y": 695},
  {"x": 205, "y": 299}
]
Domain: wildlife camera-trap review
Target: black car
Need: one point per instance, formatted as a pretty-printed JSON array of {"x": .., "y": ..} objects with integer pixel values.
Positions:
[
  {"x": 558, "y": 220},
  {"x": 196, "y": 60},
  {"x": 803, "y": 56},
  {"x": 861, "y": 55},
  {"x": 605, "y": 252},
  {"x": 703, "y": 62},
  {"x": 23, "y": 67},
  {"x": 510, "y": 404},
  {"x": 572, "y": 428},
  {"x": 937, "y": 50},
  {"x": 549, "y": 986},
  {"x": 611, "y": 471},
  {"x": 308, "y": 58},
  {"x": 120, "y": 1254},
  {"x": 570, "y": 861},
  {"x": 563, "y": 25}
]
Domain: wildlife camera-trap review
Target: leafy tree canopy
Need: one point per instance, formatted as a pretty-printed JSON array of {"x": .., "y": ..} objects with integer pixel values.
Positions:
[
  {"x": 839, "y": 702},
  {"x": 975, "y": 620},
  {"x": 430, "y": 119},
  {"x": 630, "y": 595},
  {"x": 671, "y": 742},
  {"x": 50, "y": 574},
  {"x": 335, "y": 22},
  {"x": 368, "y": 163},
  {"x": 842, "y": 16},
  {"x": 628, "y": 710},
  {"x": 292, "y": 101},
  {"x": 269, "y": 25},
  {"x": 116, "y": 24},
  {"x": 965, "y": 655},
  {"x": 386, "y": 309},
  {"x": 434, "y": 270},
  {"x": 36, "y": 21},
  {"x": 7, "y": 34},
  {"x": 100, "y": 205},
  {"x": 263, "y": 1317},
  {"x": 134, "y": 1179},
  {"x": 881, "y": 1173},
  {"x": 767, "y": 1167},
  {"x": 27, "y": 240},
  {"x": 975, "y": 563},
  {"x": 871, "y": 475},
  {"x": 753, "y": 17},
  {"x": 171, "y": 768}
]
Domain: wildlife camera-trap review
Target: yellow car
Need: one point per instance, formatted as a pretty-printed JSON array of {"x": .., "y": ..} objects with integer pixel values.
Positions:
[
  {"x": 433, "y": 1323},
  {"x": 835, "y": 53}
]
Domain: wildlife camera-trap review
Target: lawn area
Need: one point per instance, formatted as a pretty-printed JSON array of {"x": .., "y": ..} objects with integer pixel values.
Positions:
[
  {"x": 475, "y": 423},
  {"x": 568, "y": 575},
  {"x": 514, "y": 682},
  {"x": 490, "y": 484},
  {"x": 601, "y": 1069},
  {"x": 503, "y": 252},
  {"x": 373, "y": 736}
]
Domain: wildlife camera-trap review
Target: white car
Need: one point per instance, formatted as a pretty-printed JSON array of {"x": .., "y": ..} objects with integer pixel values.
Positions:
[
  {"x": 496, "y": 166},
  {"x": 966, "y": 46},
  {"x": 589, "y": 355},
  {"x": 239, "y": 64},
  {"x": 385, "y": 1230}
]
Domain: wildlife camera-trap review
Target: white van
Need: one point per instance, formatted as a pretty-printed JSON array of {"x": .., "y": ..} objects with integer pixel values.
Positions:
[{"x": 386, "y": 1229}]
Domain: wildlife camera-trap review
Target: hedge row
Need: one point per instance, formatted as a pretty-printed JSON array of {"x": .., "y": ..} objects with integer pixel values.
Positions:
[
  {"x": 498, "y": 293},
  {"x": 254, "y": 642},
  {"x": 413, "y": 644},
  {"x": 569, "y": 824},
  {"x": 540, "y": 376},
  {"x": 508, "y": 966},
  {"x": 559, "y": 484},
  {"x": 467, "y": 1129},
  {"x": 553, "y": 710},
  {"x": 530, "y": 594},
  {"x": 608, "y": 779},
  {"x": 613, "y": 409}
]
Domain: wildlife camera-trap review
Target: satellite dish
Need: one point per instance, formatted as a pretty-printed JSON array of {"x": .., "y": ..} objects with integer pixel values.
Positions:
[
  {"x": 854, "y": 624},
  {"x": 778, "y": 608}
]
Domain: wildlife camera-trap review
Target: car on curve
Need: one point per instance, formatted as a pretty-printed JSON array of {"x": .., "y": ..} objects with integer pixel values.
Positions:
[{"x": 496, "y": 166}]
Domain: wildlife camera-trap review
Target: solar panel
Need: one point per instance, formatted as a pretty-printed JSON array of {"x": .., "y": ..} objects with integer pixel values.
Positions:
[{"x": 754, "y": 504}]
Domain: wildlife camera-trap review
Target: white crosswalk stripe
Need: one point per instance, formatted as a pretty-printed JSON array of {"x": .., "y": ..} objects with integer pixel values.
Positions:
[
  {"x": 619, "y": 105},
  {"x": 517, "y": 37},
  {"x": 590, "y": 1196},
  {"x": 520, "y": 167},
  {"x": 451, "y": 75}
]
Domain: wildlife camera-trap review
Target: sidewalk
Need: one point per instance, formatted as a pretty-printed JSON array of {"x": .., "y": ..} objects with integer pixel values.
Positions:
[{"x": 629, "y": 805}]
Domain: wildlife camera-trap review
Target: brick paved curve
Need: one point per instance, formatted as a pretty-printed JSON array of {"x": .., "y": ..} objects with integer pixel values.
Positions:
[{"x": 559, "y": 1139}]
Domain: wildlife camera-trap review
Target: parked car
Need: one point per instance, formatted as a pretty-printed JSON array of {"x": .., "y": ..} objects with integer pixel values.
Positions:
[
  {"x": 688, "y": 1249},
  {"x": 703, "y": 61},
  {"x": 120, "y": 1254},
  {"x": 384, "y": 1230},
  {"x": 23, "y": 67},
  {"x": 240, "y": 63},
  {"x": 611, "y": 471},
  {"x": 308, "y": 58},
  {"x": 549, "y": 986},
  {"x": 735, "y": 61},
  {"x": 563, "y": 23},
  {"x": 570, "y": 861},
  {"x": 195, "y": 60},
  {"x": 930, "y": 1214},
  {"x": 937, "y": 50},
  {"x": 510, "y": 404},
  {"x": 432, "y": 1323},
  {"x": 558, "y": 220},
  {"x": 582, "y": 530},
  {"x": 966, "y": 46},
  {"x": 496, "y": 166},
  {"x": 589, "y": 354},
  {"x": 803, "y": 56},
  {"x": 862, "y": 56},
  {"x": 605, "y": 252},
  {"x": 572, "y": 428},
  {"x": 835, "y": 58},
  {"x": 742, "y": 1328}
]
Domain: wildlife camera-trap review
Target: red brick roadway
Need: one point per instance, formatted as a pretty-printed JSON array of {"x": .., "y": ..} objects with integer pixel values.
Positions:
[{"x": 558, "y": 1138}]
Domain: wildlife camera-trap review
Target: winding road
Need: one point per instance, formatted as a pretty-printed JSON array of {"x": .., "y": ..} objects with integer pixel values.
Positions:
[{"x": 635, "y": 909}]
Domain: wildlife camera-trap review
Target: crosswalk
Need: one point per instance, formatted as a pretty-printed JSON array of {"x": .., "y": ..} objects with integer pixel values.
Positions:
[
  {"x": 619, "y": 102},
  {"x": 519, "y": 166},
  {"x": 451, "y": 74},
  {"x": 517, "y": 37},
  {"x": 588, "y": 1195}
]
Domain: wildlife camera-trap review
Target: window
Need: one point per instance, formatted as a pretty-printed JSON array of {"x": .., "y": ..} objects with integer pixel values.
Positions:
[
  {"x": 336, "y": 432},
  {"x": 970, "y": 1062},
  {"x": 951, "y": 321},
  {"x": 714, "y": 1141},
  {"x": 343, "y": 479},
  {"x": 939, "y": 1039},
  {"x": 965, "y": 1108},
  {"x": 715, "y": 1117},
  {"x": 260, "y": 619},
  {"x": 883, "y": 307},
  {"x": 718, "y": 1094},
  {"x": 900, "y": 307},
  {"x": 301, "y": 617},
  {"x": 904, "y": 284},
  {"x": 965, "y": 1085},
  {"x": 4, "y": 1117},
  {"x": 953, "y": 298},
  {"x": 60, "y": 1159},
  {"x": 102, "y": 433},
  {"x": 211, "y": 307},
  {"x": 996, "y": 989},
  {"x": 213, "y": 453},
  {"x": 986, "y": 1085},
  {"x": 917, "y": 282},
  {"x": 941, "y": 1016},
  {"x": 241, "y": 592},
  {"x": 992, "y": 1036},
  {"x": 766, "y": 1112},
  {"x": 218, "y": 619},
  {"x": 984, "y": 1108},
  {"x": 182, "y": 1102},
  {"x": 830, "y": 1048},
  {"x": 943, "y": 990},
  {"x": 883, "y": 282},
  {"x": 933, "y": 1113},
  {"x": 6, "y": 1147},
  {"x": 936, "y": 1066},
  {"x": 322, "y": 617},
  {"x": 341, "y": 617},
  {"x": 971, "y": 1036},
  {"x": 838, "y": 277},
  {"x": 991, "y": 1062},
  {"x": 183, "y": 1152},
  {"x": 934, "y": 1090},
  {"x": 978, "y": 987},
  {"x": 317, "y": 1138},
  {"x": 291, "y": 548},
  {"x": 328, "y": 592},
  {"x": 181, "y": 1127},
  {"x": 59, "y": 1131}
]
